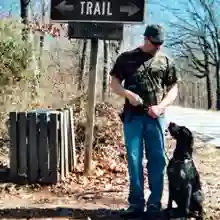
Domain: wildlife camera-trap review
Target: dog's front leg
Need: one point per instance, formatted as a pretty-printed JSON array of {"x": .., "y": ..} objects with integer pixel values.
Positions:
[
  {"x": 188, "y": 200},
  {"x": 170, "y": 199},
  {"x": 169, "y": 209},
  {"x": 199, "y": 198},
  {"x": 170, "y": 202}
]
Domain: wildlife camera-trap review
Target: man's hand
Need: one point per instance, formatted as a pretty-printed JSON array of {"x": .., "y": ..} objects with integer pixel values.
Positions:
[
  {"x": 133, "y": 98},
  {"x": 156, "y": 111}
]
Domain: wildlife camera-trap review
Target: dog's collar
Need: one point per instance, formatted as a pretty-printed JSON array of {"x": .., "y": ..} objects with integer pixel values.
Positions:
[{"x": 182, "y": 161}]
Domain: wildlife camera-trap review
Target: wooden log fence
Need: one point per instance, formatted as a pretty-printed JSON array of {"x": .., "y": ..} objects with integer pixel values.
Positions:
[
  {"x": 192, "y": 94},
  {"x": 42, "y": 146}
]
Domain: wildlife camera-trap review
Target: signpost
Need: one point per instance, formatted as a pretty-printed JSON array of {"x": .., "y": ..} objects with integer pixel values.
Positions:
[
  {"x": 95, "y": 30},
  {"x": 91, "y": 106},
  {"x": 121, "y": 11},
  {"x": 95, "y": 19}
]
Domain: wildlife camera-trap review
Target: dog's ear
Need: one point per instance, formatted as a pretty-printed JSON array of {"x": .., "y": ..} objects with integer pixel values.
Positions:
[
  {"x": 184, "y": 130},
  {"x": 187, "y": 135}
]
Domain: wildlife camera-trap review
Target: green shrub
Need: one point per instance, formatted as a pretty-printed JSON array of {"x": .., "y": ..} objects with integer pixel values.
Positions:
[{"x": 15, "y": 54}]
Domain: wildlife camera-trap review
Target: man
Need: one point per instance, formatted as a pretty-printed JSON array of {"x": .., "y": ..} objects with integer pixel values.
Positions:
[{"x": 150, "y": 85}]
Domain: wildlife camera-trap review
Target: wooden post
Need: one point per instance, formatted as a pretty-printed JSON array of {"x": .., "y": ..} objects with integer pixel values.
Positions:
[
  {"x": 22, "y": 136},
  {"x": 43, "y": 148},
  {"x": 72, "y": 145},
  {"x": 65, "y": 136},
  {"x": 13, "y": 145},
  {"x": 62, "y": 144},
  {"x": 53, "y": 147},
  {"x": 91, "y": 106},
  {"x": 33, "y": 162}
]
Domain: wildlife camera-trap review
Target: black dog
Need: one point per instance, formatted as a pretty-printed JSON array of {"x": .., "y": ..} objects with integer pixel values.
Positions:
[{"x": 184, "y": 180}]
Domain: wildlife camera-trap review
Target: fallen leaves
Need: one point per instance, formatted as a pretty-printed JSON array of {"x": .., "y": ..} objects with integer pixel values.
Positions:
[
  {"x": 109, "y": 174},
  {"x": 110, "y": 162}
]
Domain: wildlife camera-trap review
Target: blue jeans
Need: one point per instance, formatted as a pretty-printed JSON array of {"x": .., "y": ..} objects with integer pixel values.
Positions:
[{"x": 140, "y": 131}]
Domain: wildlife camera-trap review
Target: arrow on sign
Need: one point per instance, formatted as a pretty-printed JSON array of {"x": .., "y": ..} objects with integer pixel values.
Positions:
[
  {"x": 130, "y": 9},
  {"x": 63, "y": 7}
]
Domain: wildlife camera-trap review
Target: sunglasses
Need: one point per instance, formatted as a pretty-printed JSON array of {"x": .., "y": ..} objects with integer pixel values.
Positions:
[{"x": 156, "y": 43}]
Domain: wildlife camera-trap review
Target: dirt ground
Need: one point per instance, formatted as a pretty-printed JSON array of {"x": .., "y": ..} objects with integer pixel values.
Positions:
[{"x": 101, "y": 194}]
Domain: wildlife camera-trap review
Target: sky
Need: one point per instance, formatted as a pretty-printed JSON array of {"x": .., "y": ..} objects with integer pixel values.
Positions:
[{"x": 154, "y": 13}]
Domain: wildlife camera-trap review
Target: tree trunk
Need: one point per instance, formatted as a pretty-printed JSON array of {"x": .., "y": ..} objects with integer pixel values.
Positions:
[
  {"x": 209, "y": 92},
  {"x": 207, "y": 75},
  {"x": 114, "y": 50},
  {"x": 217, "y": 74},
  {"x": 25, "y": 4},
  {"x": 118, "y": 47},
  {"x": 24, "y": 13},
  {"x": 217, "y": 87},
  {"x": 105, "y": 81},
  {"x": 42, "y": 33},
  {"x": 25, "y": 16},
  {"x": 82, "y": 65}
]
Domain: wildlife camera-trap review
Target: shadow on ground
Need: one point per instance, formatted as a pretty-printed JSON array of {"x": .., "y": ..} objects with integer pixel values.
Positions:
[
  {"x": 4, "y": 174},
  {"x": 21, "y": 213}
]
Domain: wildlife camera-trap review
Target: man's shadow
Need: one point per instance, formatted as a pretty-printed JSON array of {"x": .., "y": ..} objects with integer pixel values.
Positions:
[
  {"x": 4, "y": 174},
  {"x": 60, "y": 212}
]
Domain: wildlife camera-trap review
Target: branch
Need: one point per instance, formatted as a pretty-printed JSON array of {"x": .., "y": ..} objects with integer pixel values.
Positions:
[
  {"x": 197, "y": 33},
  {"x": 199, "y": 76}
]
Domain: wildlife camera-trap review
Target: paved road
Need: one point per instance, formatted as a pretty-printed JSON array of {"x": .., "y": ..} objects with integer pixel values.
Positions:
[{"x": 206, "y": 124}]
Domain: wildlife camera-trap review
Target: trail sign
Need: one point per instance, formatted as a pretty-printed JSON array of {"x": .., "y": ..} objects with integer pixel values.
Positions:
[
  {"x": 114, "y": 11},
  {"x": 95, "y": 30}
]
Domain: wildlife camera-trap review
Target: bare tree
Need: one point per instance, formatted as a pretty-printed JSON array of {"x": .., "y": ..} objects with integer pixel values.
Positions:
[
  {"x": 43, "y": 12},
  {"x": 24, "y": 13},
  {"x": 39, "y": 11},
  {"x": 82, "y": 64},
  {"x": 105, "y": 81},
  {"x": 26, "y": 18},
  {"x": 25, "y": 7},
  {"x": 114, "y": 51},
  {"x": 196, "y": 38}
]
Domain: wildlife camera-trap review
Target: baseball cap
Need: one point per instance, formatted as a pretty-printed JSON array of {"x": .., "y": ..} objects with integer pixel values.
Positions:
[{"x": 155, "y": 33}]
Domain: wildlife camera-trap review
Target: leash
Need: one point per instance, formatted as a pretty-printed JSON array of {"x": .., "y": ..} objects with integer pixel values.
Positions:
[{"x": 166, "y": 153}]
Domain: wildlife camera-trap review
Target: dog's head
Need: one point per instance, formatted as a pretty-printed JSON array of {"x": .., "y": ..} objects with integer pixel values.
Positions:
[{"x": 183, "y": 137}]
